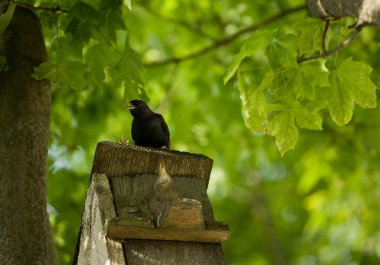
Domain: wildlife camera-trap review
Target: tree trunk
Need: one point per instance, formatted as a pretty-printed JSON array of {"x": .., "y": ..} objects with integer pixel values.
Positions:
[{"x": 25, "y": 233}]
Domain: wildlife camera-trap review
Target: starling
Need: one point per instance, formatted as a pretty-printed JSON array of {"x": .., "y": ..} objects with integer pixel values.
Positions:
[{"x": 148, "y": 128}]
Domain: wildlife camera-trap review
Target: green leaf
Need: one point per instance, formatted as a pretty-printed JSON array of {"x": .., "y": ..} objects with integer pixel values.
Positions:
[
  {"x": 254, "y": 103},
  {"x": 99, "y": 57},
  {"x": 128, "y": 3},
  {"x": 46, "y": 70},
  {"x": 254, "y": 111},
  {"x": 267, "y": 81},
  {"x": 281, "y": 85},
  {"x": 114, "y": 21},
  {"x": 73, "y": 74},
  {"x": 67, "y": 48},
  {"x": 231, "y": 71},
  {"x": 306, "y": 78},
  {"x": 67, "y": 73},
  {"x": 84, "y": 11},
  {"x": 309, "y": 120},
  {"x": 281, "y": 51},
  {"x": 130, "y": 68},
  {"x": 340, "y": 101},
  {"x": 350, "y": 83},
  {"x": 355, "y": 77},
  {"x": 282, "y": 127},
  {"x": 300, "y": 81},
  {"x": 80, "y": 30},
  {"x": 310, "y": 34},
  {"x": 6, "y": 17},
  {"x": 255, "y": 43}
]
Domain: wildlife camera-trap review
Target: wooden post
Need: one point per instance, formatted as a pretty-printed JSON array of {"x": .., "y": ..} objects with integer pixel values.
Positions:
[{"x": 118, "y": 225}]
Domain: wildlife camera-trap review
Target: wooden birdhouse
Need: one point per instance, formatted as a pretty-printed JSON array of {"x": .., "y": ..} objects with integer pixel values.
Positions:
[{"x": 149, "y": 206}]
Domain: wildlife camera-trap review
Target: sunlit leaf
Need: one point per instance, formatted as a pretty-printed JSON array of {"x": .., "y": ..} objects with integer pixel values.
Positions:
[
  {"x": 281, "y": 51},
  {"x": 354, "y": 76},
  {"x": 309, "y": 120},
  {"x": 310, "y": 38},
  {"x": 282, "y": 127},
  {"x": 251, "y": 46},
  {"x": 341, "y": 101},
  {"x": 350, "y": 83},
  {"x": 306, "y": 78},
  {"x": 266, "y": 81},
  {"x": 128, "y": 3},
  {"x": 254, "y": 111}
]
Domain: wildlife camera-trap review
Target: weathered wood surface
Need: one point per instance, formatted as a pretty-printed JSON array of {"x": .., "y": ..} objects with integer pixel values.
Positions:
[
  {"x": 116, "y": 160},
  {"x": 132, "y": 194},
  {"x": 133, "y": 172},
  {"x": 95, "y": 248},
  {"x": 186, "y": 213},
  {"x": 172, "y": 253},
  {"x": 121, "y": 228}
]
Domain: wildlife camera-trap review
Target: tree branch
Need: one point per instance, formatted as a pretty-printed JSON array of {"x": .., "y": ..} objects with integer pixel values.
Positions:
[
  {"x": 327, "y": 53},
  {"x": 54, "y": 9},
  {"x": 327, "y": 26},
  {"x": 196, "y": 30},
  {"x": 227, "y": 40}
]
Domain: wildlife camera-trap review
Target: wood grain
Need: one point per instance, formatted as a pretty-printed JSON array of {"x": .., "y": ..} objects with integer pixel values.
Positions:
[
  {"x": 132, "y": 173},
  {"x": 122, "y": 228},
  {"x": 95, "y": 248},
  {"x": 116, "y": 160}
]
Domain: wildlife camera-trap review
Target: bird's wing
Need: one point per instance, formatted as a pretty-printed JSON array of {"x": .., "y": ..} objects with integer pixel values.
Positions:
[
  {"x": 135, "y": 130},
  {"x": 164, "y": 125}
]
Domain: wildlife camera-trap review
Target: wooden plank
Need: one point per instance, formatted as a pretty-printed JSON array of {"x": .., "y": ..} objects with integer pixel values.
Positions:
[
  {"x": 153, "y": 252},
  {"x": 133, "y": 193},
  {"x": 116, "y": 160},
  {"x": 95, "y": 248},
  {"x": 119, "y": 228},
  {"x": 185, "y": 213}
]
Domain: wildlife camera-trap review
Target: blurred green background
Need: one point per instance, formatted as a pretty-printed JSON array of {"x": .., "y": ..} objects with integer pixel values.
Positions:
[{"x": 317, "y": 204}]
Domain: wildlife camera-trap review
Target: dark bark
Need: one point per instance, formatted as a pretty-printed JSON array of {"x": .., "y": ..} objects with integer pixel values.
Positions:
[{"x": 25, "y": 233}]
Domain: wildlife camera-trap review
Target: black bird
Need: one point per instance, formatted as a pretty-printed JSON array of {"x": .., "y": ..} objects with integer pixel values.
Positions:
[{"x": 148, "y": 128}]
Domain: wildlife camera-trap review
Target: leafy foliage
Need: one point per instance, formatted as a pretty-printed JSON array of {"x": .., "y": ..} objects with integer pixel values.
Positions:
[
  {"x": 291, "y": 94},
  {"x": 317, "y": 204}
]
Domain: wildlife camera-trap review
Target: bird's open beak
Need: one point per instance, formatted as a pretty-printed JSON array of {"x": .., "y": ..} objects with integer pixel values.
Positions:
[{"x": 129, "y": 106}]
